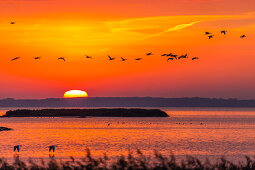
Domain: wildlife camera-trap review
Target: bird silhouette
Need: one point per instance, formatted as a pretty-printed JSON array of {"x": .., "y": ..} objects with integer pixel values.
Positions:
[
  {"x": 138, "y": 58},
  {"x": 52, "y": 147},
  {"x": 88, "y": 57},
  {"x": 17, "y": 147},
  {"x": 243, "y": 36},
  {"x": 207, "y": 33},
  {"x": 12, "y": 22},
  {"x": 149, "y": 53},
  {"x": 195, "y": 58},
  {"x": 164, "y": 55},
  {"x": 210, "y": 36},
  {"x": 170, "y": 59},
  {"x": 183, "y": 56},
  {"x": 16, "y": 58},
  {"x": 169, "y": 54},
  {"x": 175, "y": 56},
  {"x": 123, "y": 59},
  {"x": 62, "y": 58},
  {"x": 37, "y": 58},
  {"x": 223, "y": 32},
  {"x": 111, "y": 58}
]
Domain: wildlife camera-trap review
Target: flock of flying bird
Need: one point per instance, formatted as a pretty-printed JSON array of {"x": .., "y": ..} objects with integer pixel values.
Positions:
[
  {"x": 169, "y": 56},
  {"x": 211, "y": 35}
]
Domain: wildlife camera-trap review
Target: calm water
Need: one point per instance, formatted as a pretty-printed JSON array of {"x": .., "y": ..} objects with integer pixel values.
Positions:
[{"x": 210, "y": 132}]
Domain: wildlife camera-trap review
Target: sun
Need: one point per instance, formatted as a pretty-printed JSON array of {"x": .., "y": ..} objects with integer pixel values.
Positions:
[{"x": 75, "y": 94}]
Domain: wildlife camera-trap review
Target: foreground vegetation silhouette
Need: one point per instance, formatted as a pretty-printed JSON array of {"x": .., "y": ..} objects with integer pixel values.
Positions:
[{"x": 139, "y": 161}]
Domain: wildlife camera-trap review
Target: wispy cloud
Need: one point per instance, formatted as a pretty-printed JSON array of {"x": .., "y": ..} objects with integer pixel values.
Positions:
[
  {"x": 142, "y": 28},
  {"x": 148, "y": 27},
  {"x": 176, "y": 28}
]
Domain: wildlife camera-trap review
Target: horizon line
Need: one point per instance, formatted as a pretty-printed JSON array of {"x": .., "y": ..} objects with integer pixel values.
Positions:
[{"x": 231, "y": 98}]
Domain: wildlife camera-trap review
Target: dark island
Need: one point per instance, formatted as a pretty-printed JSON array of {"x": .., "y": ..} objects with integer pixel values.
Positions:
[
  {"x": 4, "y": 129},
  {"x": 120, "y": 112}
]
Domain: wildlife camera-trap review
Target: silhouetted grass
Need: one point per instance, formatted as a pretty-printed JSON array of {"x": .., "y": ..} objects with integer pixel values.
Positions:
[{"x": 129, "y": 162}]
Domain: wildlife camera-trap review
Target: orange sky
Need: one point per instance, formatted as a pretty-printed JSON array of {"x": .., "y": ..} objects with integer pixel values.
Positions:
[{"x": 129, "y": 29}]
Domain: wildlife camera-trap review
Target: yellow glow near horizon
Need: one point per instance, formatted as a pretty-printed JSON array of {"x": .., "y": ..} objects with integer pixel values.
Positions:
[{"x": 75, "y": 94}]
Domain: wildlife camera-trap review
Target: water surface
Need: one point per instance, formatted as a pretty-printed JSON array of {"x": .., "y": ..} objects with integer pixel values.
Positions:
[{"x": 210, "y": 132}]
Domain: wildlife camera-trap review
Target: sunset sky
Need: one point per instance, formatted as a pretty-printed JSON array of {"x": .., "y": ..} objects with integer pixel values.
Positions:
[{"x": 128, "y": 29}]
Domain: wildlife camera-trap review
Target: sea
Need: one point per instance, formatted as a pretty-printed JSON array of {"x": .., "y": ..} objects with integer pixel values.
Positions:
[{"x": 210, "y": 133}]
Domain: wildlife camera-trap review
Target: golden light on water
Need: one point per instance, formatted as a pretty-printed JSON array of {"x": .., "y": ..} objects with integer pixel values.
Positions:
[{"x": 75, "y": 94}]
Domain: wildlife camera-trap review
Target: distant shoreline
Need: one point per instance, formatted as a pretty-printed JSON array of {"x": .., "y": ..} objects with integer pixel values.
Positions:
[
  {"x": 83, "y": 113},
  {"x": 126, "y": 102}
]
